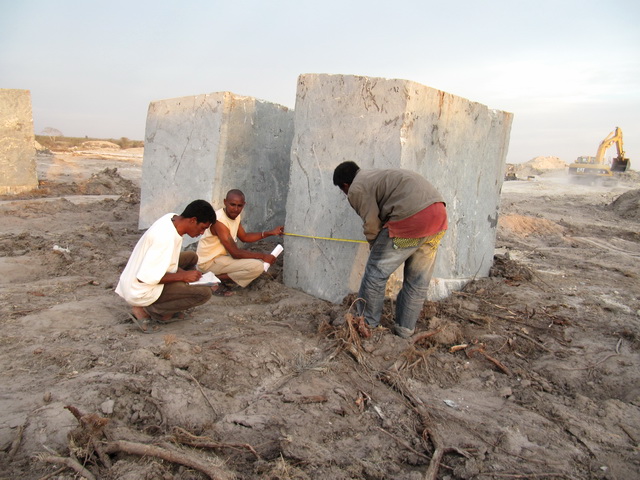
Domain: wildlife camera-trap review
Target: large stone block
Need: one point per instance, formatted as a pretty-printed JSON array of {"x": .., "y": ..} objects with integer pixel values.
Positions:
[
  {"x": 458, "y": 145},
  {"x": 17, "y": 151},
  {"x": 202, "y": 146}
]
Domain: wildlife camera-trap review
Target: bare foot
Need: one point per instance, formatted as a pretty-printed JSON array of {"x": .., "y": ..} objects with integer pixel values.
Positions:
[{"x": 140, "y": 313}]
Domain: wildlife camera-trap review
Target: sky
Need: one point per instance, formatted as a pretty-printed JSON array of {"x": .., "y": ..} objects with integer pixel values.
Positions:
[{"x": 569, "y": 71}]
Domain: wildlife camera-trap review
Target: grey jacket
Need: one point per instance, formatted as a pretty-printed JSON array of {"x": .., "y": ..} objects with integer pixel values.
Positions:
[{"x": 379, "y": 196}]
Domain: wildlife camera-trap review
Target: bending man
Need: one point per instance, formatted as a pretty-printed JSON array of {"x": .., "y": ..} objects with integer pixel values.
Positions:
[
  {"x": 404, "y": 219},
  {"x": 218, "y": 251},
  {"x": 155, "y": 280}
]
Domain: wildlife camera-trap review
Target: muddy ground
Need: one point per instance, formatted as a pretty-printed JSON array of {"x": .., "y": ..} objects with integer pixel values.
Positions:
[{"x": 530, "y": 373}]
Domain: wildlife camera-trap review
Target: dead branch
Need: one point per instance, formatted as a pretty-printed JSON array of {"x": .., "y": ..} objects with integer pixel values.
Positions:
[
  {"x": 535, "y": 342},
  {"x": 525, "y": 475},
  {"x": 422, "y": 336},
  {"x": 403, "y": 443},
  {"x": 133, "y": 448},
  {"x": 180, "y": 435},
  {"x": 593, "y": 365},
  {"x": 69, "y": 463},
  {"x": 75, "y": 412},
  {"x": 16, "y": 443},
  {"x": 438, "y": 453},
  {"x": 497, "y": 363},
  {"x": 53, "y": 474},
  {"x": 279, "y": 324},
  {"x": 202, "y": 392}
]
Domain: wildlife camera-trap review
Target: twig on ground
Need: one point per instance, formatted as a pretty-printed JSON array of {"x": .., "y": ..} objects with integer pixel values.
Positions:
[
  {"x": 496, "y": 362},
  {"x": 524, "y": 475},
  {"x": 192, "y": 378},
  {"x": 403, "y": 443},
  {"x": 69, "y": 463},
  {"x": 535, "y": 342},
  {"x": 53, "y": 474},
  {"x": 594, "y": 365}
]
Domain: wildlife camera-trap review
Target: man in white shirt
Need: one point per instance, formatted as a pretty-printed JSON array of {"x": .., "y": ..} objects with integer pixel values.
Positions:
[
  {"x": 155, "y": 281},
  {"x": 219, "y": 253}
]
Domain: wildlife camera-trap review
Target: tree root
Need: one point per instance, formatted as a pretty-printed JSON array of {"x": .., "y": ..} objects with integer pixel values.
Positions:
[
  {"x": 134, "y": 448},
  {"x": 180, "y": 435},
  {"x": 96, "y": 443}
]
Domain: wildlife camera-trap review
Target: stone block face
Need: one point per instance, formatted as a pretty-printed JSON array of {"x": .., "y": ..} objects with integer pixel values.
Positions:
[
  {"x": 458, "y": 145},
  {"x": 202, "y": 146},
  {"x": 17, "y": 151}
]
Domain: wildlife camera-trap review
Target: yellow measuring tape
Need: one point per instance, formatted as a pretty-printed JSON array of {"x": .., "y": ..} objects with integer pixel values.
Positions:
[{"x": 326, "y": 238}]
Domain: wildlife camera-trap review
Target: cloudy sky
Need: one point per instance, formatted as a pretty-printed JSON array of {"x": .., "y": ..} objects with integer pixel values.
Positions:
[{"x": 569, "y": 71}]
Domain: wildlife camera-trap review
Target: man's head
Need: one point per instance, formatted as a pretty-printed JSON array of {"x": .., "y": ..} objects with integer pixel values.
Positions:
[
  {"x": 234, "y": 203},
  {"x": 344, "y": 174},
  {"x": 200, "y": 215}
]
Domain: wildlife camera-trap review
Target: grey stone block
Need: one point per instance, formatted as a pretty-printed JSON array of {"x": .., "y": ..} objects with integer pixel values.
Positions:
[
  {"x": 17, "y": 151},
  {"x": 204, "y": 145},
  {"x": 460, "y": 146}
]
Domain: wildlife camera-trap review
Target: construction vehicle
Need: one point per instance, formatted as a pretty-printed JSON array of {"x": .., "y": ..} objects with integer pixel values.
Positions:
[{"x": 596, "y": 166}]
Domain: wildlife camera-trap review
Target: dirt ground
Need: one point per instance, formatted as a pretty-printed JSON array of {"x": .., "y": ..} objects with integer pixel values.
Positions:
[{"x": 530, "y": 373}]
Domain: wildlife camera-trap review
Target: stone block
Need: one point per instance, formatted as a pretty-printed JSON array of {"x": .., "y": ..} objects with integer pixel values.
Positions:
[
  {"x": 202, "y": 146},
  {"x": 460, "y": 146},
  {"x": 17, "y": 151}
]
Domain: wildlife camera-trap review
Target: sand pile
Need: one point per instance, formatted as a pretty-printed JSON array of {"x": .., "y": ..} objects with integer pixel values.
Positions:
[
  {"x": 627, "y": 205},
  {"x": 539, "y": 165}
]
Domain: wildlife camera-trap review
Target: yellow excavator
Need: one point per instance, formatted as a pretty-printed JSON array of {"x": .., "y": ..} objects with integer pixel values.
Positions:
[{"x": 596, "y": 166}]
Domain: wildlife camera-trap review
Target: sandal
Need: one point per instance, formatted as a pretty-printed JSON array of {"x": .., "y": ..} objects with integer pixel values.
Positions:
[
  {"x": 142, "y": 324},
  {"x": 222, "y": 290}
]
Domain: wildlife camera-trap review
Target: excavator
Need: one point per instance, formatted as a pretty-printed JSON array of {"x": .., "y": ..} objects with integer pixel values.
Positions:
[{"x": 596, "y": 166}]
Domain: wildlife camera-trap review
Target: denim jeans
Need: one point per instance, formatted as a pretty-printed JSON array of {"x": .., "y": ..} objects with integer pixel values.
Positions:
[{"x": 383, "y": 261}]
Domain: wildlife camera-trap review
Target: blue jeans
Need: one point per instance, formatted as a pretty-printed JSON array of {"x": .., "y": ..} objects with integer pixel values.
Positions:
[{"x": 383, "y": 261}]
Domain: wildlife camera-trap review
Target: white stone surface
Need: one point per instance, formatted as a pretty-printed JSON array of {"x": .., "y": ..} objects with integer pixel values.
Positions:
[
  {"x": 202, "y": 146},
  {"x": 460, "y": 146},
  {"x": 17, "y": 152}
]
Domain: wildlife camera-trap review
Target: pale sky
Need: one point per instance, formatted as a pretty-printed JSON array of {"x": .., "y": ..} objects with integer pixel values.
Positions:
[{"x": 569, "y": 71}]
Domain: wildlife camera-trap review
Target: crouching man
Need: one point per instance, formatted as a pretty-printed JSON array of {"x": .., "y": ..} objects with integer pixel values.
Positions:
[
  {"x": 155, "y": 281},
  {"x": 218, "y": 250}
]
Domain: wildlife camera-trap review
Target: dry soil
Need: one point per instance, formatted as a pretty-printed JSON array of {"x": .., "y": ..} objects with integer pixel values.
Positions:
[{"x": 530, "y": 373}]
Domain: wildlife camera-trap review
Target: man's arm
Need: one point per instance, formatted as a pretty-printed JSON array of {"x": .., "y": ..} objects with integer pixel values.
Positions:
[
  {"x": 250, "y": 237},
  {"x": 181, "y": 276},
  {"x": 221, "y": 230},
  {"x": 366, "y": 207}
]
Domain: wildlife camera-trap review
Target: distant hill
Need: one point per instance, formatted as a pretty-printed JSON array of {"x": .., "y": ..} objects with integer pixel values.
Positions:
[{"x": 67, "y": 143}]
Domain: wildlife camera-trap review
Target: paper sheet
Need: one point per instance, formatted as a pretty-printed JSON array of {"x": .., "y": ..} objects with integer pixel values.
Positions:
[
  {"x": 276, "y": 251},
  {"x": 207, "y": 279}
]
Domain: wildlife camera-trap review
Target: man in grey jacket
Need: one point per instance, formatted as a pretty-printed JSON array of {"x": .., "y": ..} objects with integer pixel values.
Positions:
[{"x": 404, "y": 220}]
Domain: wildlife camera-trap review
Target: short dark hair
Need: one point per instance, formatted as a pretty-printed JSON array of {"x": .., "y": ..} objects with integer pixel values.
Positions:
[
  {"x": 201, "y": 210},
  {"x": 345, "y": 173},
  {"x": 236, "y": 192}
]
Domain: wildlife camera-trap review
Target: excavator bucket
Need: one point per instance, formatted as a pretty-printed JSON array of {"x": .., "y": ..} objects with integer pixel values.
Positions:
[{"x": 619, "y": 164}]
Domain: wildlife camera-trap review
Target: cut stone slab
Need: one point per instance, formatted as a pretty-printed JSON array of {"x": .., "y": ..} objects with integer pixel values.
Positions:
[
  {"x": 460, "y": 146},
  {"x": 17, "y": 152},
  {"x": 202, "y": 146}
]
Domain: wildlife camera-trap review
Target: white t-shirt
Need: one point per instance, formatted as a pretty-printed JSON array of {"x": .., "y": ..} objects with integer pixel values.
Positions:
[{"x": 156, "y": 253}]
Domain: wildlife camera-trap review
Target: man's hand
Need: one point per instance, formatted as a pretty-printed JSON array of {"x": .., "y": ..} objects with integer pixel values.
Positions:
[
  {"x": 190, "y": 275},
  {"x": 270, "y": 259},
  {"x": 279, "y": 230}
]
